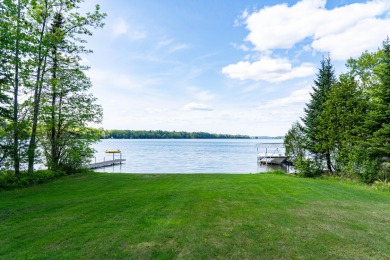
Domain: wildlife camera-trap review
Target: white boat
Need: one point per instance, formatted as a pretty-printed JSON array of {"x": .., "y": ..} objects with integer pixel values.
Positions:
[
  {"x": 271, "y": 159},
  {"x": 274, "y": 153}
]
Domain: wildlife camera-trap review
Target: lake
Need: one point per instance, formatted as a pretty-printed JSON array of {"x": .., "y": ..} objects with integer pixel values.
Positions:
[{"x": 184, "y": 155}]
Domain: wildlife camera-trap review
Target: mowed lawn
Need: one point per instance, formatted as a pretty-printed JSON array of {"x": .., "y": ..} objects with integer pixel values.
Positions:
[{"x": 204, "y": 216}]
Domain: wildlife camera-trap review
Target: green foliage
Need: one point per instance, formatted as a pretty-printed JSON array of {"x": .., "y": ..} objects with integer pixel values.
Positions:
[
  {"x": 315, "y": 138},
  {"x": 381, "y": 185},
  {"x": 342, "y": 116},
  {"x": 294, "y": 142},
  {"x": 309, "y": 168},
  {"x": 384, "y": 171},
  {"x": 44, "y": 100},
  {"x": 346, "y": 127},
  {"x": 378, "y": 118},
  {"x": 363, "y": 69},
  {"x": 8, "y": 179},
  {"x": 158, "y": 134},
  {"x": 278, "y": 172},
  {"x": 75, "y": 149}
]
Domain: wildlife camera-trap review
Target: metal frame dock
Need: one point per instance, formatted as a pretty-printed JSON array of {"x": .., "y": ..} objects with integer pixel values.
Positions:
[
  {"x": 105, "y": 163},
  {"x": 109, "y": 162},
  {"x": 272, "y": 153}
]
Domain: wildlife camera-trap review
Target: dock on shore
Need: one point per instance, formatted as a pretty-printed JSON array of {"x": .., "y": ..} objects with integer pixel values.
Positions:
[{"x": 105, "y": 163}]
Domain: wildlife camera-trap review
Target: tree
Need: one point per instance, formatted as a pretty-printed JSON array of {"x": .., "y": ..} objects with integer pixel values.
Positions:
[
  {"x": 294, "y": 141},
  {"x": 67, "y": 107},
  {"x": 14, "y": 44},
  {"x": 378, "y": 119},
  {"x": 342, "y": 116},
  {"x": 40, "y": 74},
  {"x": 324, "y": 82},
  {"x": 40, "y": 14},
  {"x": 363, "y": 69}
]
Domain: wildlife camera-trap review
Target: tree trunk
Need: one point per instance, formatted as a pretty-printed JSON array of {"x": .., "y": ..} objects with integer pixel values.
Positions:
[
  {"x": 329, "y": 163},
  {"x": 37, "y": 94},
  {"x": 15, "y": 148},
  {"x": 54, "y": 135}
]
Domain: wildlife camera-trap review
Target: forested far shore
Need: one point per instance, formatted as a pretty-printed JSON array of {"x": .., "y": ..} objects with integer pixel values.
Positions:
[{"x": 159, "y": 134}]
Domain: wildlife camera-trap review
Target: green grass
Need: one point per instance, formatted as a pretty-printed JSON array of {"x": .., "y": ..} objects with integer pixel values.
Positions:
[{"x": 194, "y": 217}]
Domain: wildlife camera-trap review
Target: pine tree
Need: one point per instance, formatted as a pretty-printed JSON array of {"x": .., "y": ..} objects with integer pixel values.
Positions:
[
  {"x": 341, "y": 119},
  {"x": 324, "y": 82},
  {"x": 378, "y": 120}
]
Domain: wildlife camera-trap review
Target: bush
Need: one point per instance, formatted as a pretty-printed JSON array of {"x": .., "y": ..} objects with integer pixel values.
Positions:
[
  {"x": 277, "y": 172},
  {"x": 384, "y": 172},
  {"x": 366, "y": 168},
  {"x": 9, "y": 180},
  {"x": 381, "y": 185},
  {"x": 308, "y": 167}
]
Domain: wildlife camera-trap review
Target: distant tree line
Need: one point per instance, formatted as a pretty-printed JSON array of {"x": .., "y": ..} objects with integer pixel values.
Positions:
[
  {"x": 159, "y": 134},
  {"x": 45, "y": 106},
  {"x": 346, "y": 127}
]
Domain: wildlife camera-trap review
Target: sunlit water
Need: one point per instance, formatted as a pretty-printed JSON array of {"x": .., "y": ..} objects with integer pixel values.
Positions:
[{"x": 184, "y": 155}]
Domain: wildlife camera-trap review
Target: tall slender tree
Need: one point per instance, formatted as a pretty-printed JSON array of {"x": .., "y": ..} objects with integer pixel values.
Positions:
[
  {"x": 67, "y": 106},
  {"x": 14, "y": 44},
  {"x": 324, "y": 82},
  {"x": 40, "y": 13}
]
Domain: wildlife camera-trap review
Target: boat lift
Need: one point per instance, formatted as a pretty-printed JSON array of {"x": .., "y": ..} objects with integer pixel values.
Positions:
[{"x": 272, "y": 155}]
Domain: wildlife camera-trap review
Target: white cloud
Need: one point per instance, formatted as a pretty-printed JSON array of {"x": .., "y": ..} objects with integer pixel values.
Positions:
[
  {"x": 164, "y": 43},
  {"x": 242, "y": 47},
  {"x": 122, "y": 27},
  {"x": 178, "y": 47},
  {"x": 156, "y": 110},
  {"x": 170, "y": 45},
  {"x": 201, "y": 94},
  {"x": 197, "y": 106},
  {"x": 137, "y": 35},
  {"x": 282, "y": 112},
  {"x": 335, "y": 31},
  {"x": 368, "y": 33},
  {"x": 268, "y": 69},
  {"x": 119, "y": 81},
  {"x": 296, "y": 99},
  {"x": 239, "y": 21}
]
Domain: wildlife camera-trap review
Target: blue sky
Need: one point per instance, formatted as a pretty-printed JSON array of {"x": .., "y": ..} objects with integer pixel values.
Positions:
[{"x": 235, "y": 67}]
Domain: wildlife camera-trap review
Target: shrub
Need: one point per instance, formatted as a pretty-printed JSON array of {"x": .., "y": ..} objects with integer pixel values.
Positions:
[
  {"x": 381, "y": 185},
  {"x": 9, "y": 180},
  {"x": 308, "y": 167}
]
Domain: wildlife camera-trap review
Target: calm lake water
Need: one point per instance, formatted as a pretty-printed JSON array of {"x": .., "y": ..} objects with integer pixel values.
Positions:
[{"x": 184, "y": 155}]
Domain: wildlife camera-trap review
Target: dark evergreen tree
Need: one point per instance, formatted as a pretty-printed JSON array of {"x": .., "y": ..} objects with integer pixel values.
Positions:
[
  {"x": 378, "y": 119},
  {"x": 324, "y": 82},
  {"x": 341, "y": 119}
]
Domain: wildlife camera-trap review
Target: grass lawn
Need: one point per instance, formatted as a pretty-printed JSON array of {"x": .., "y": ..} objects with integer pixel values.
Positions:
[{"x": 194, "y": 217}]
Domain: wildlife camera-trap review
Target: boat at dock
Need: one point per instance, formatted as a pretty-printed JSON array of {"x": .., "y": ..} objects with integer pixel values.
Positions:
[{"x": 274, "y": 153}]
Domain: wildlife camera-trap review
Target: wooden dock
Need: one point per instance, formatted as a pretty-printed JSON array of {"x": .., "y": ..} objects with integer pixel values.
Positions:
[{"x": 105, "y": 163}]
